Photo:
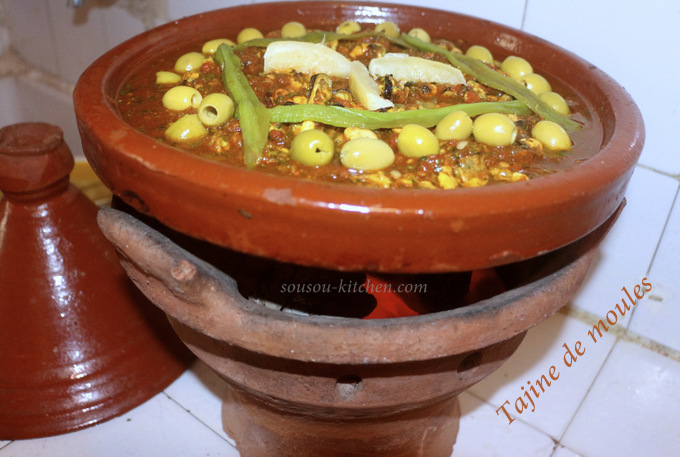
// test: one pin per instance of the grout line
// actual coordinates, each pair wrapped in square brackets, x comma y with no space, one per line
[661,172]
[53,35]
[13,65]
[524,14]
[651,262]
[665,226]
[519,419]
[623,334]
[620,334]
[587,391]
[199,420]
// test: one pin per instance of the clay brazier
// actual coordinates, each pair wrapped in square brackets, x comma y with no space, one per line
[306,386]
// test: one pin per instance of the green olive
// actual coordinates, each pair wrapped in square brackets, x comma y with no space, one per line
[419,33]
[480,53]
[417,141]
[366,154]
[215,109]
[536,83]
[555,101]
[551,135]
[179,98]
[494,129]
[516,67]
[186,128]
[357,132]
[454,126]
[312,148]
[348,27]
[293,29]
[389,28]
[167,77]
[247,34]
[189,61]
[210,47]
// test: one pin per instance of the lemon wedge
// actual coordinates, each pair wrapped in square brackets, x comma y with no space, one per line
[404,67]
[364,89]
[309,58]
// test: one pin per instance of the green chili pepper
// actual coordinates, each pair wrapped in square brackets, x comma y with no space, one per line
[253,116]
[488,76]
[339,116]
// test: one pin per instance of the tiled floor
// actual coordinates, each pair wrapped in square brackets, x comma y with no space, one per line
[621,397]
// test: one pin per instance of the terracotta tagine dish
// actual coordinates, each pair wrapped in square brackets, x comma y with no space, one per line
[78,344]
[357,372]
[445,231]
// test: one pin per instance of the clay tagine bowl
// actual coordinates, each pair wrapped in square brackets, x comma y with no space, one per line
[373,229]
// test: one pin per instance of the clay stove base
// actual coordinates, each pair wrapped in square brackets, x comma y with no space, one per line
[319,385]
[261,431]
[283,408]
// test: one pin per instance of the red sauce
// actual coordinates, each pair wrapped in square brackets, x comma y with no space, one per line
[468,162]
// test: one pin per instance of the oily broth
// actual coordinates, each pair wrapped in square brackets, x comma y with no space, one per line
[139,104]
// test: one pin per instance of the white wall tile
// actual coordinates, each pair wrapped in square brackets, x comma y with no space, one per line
[631,410]
[79,37]
[658,314]
[626,253]
[178,9]
[541,349]
[119,25]
[8,114]
[562,451]
[634,43]
[480,436]
[158,427]
[201,391]
[31,33]
[4,36]
[29,101]
[508,12]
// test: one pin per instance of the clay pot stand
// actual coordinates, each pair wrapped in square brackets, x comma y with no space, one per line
[317,385]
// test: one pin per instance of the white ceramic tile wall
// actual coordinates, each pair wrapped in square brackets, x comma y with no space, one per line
[178,8]
[619,398]
[508,12]
[31,33]
[480,435]
[4,36]
[627,252]
[612,36]
[646,386]
[25,100]
[658,316]
[542,349]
